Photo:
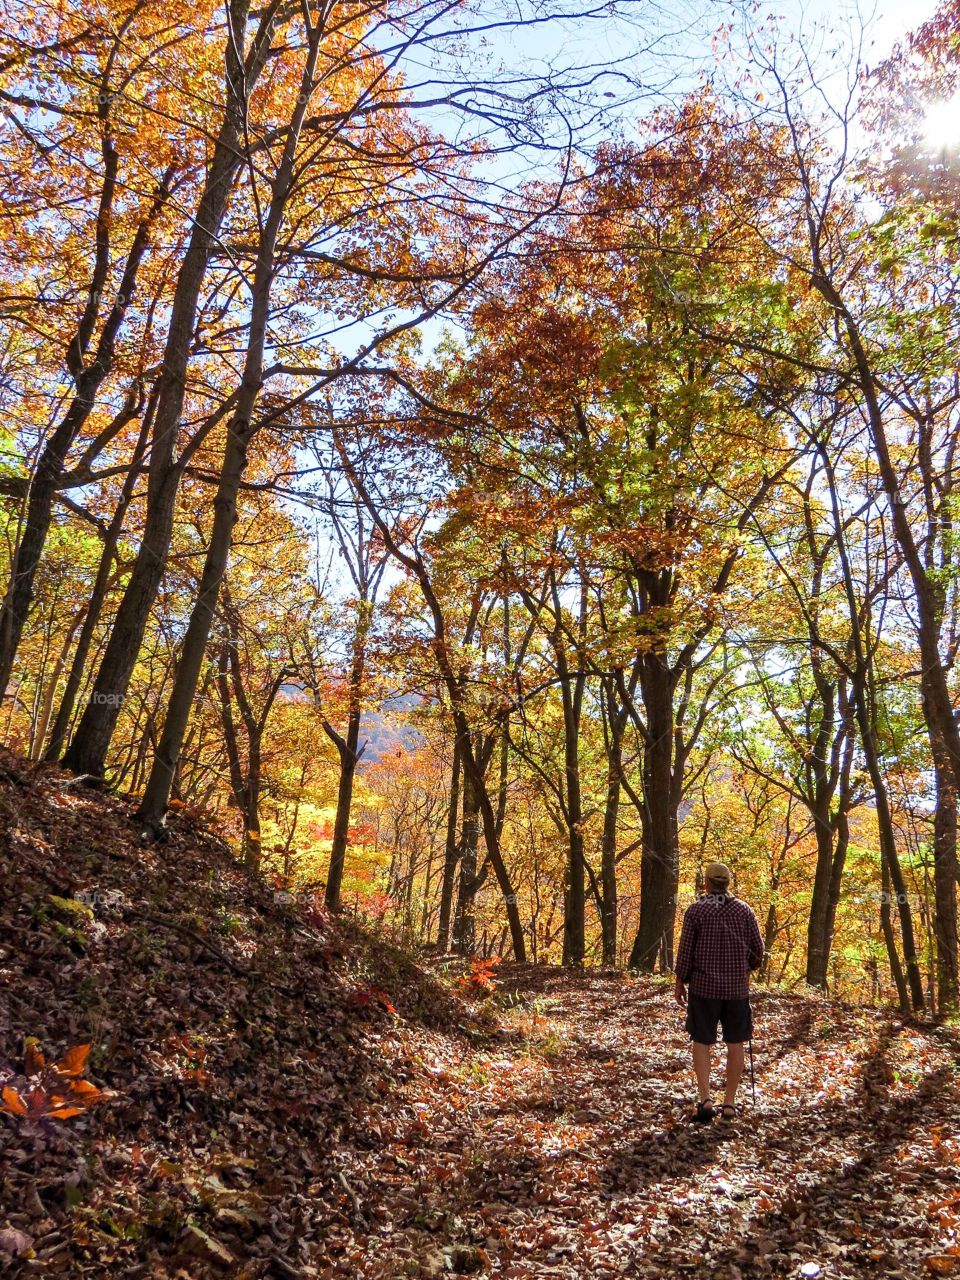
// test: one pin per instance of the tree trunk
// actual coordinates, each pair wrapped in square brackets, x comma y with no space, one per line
[818,925]
[50,469]
[608,858]
[252,845]
[658,861]
[472,769]
[888,851]
[575,900]
[841,846]
[942,728]
[98,595]
[341,825]
[464,924]
[240,432]
[153,805]
[769,933]
[50,691]
[886,928]
[945,886]
[864,702]
[451,855]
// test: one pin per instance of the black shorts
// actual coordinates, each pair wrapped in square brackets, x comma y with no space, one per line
[734,1016]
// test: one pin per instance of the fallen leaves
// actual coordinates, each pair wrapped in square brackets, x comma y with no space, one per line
[330,1110]
[944,1264]
[14,1242]
[206,1245]
[367,996]
[52,1092]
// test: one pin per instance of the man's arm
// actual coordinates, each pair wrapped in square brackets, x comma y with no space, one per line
[684,958]
[754,943]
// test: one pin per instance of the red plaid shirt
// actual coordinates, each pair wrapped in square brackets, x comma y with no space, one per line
[719,948]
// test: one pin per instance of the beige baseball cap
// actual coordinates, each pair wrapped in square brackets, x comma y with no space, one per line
[718,872]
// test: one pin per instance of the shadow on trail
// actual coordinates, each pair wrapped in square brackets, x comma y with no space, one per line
[672,1155]
[800,1032]
[658,1155]
[849,1202]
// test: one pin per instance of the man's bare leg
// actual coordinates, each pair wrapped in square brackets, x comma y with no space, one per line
[734,1072]
[702,1054]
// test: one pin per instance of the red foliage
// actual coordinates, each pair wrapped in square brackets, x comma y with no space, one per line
[481,979]
[366,997]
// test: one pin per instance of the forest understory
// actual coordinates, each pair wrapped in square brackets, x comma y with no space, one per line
[270,1093]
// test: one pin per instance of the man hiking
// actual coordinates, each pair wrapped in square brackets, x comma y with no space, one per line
[720,946]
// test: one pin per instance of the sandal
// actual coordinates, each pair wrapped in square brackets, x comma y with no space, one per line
[703,1114]
[728,1112]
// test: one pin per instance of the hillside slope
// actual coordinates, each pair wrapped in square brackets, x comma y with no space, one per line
[289,1098]
[242,1040]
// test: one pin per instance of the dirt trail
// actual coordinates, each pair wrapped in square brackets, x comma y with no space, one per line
[564,1149]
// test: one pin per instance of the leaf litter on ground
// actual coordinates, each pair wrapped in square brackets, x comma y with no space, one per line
[289,1096]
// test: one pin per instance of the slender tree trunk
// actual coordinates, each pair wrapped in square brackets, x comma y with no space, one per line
[153,805]
[472,769]
[769,932]
[943,731]
[348,752]
[886,928]
[341,824]
[425,910]
[98,595]
[818,926]
[864,703]
[88,381]
[252,844]
[245,783]
[183,781]
[608,856]
[143,742]
[888,851]
[574,928]
[451,856]
[240,432]
[841,845]
[50,691]
[464,923]
[945,884]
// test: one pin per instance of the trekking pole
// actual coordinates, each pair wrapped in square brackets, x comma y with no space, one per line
[753,1083]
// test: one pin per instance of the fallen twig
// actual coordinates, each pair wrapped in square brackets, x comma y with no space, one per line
[341,1177]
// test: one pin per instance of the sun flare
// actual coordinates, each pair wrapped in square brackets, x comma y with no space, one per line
[941,123]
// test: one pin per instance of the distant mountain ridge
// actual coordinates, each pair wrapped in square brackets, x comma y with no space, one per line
[379,730]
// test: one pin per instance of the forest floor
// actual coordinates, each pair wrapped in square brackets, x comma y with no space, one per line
[284,1096]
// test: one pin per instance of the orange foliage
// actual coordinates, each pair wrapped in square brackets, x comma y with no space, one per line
[53,1091]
